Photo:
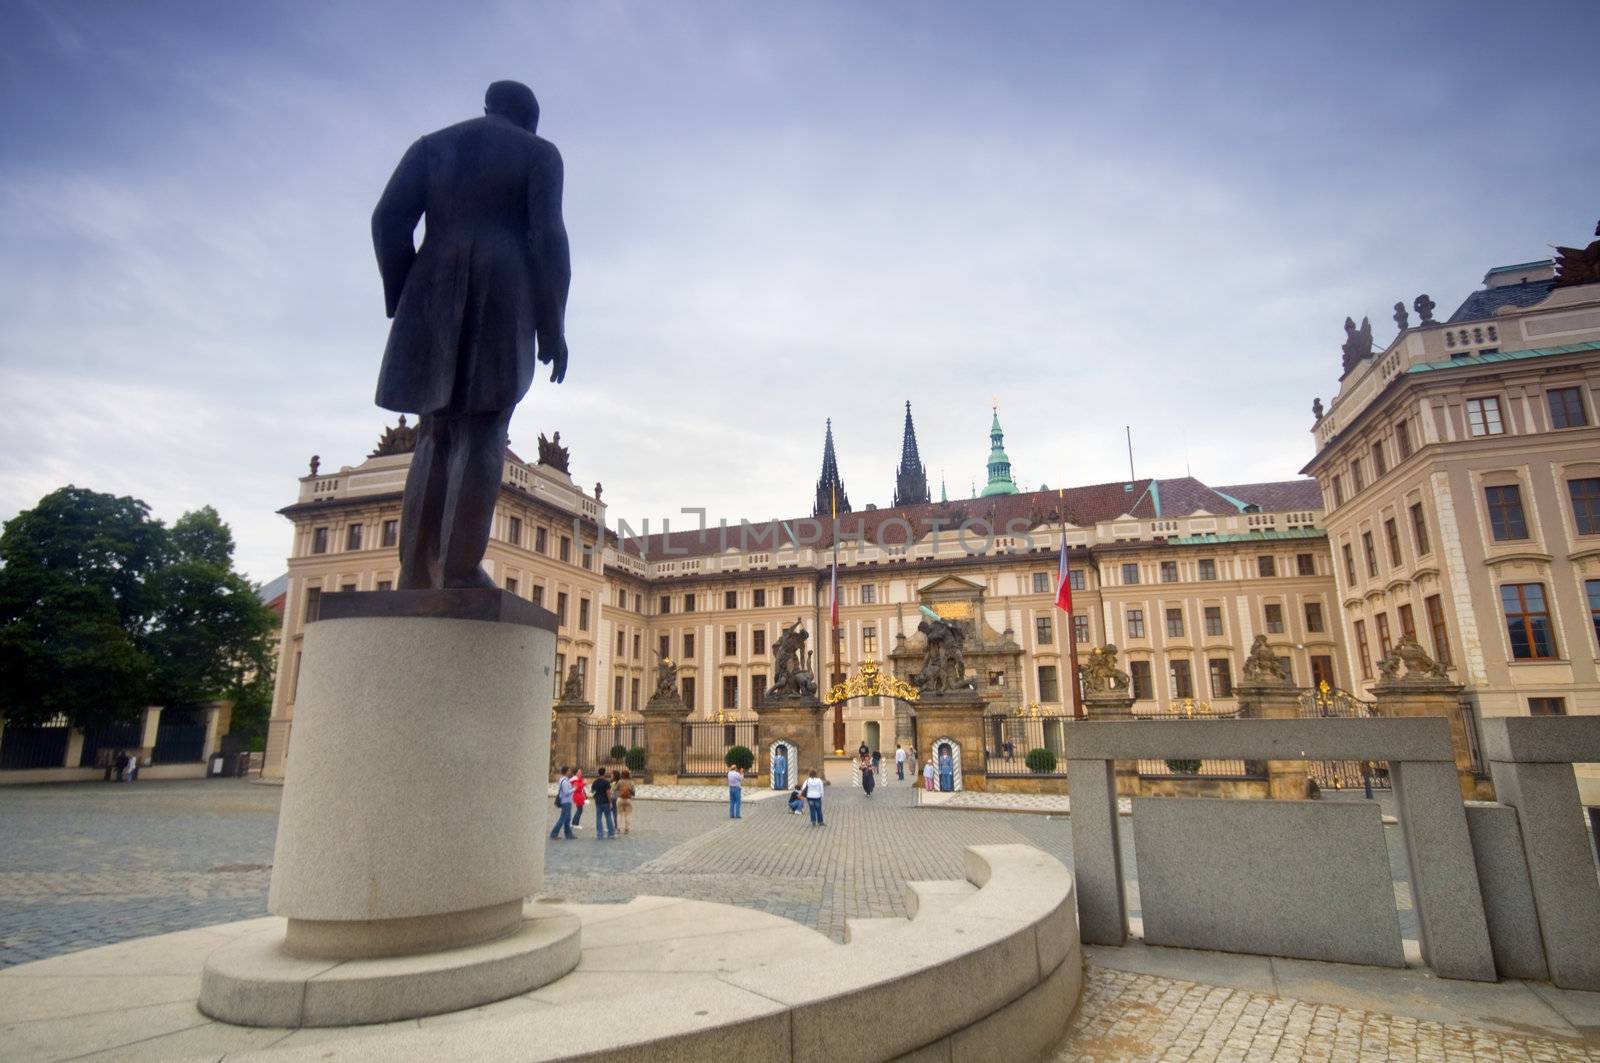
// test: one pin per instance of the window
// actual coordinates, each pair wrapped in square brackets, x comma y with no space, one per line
[1182,679]
[385,585]
[666,645]
[1585,495]
[1547,706]
[1371,553]
[1305,564]
[622,643]
[583,672]
[511,585]
[1075,578]
[1505,513]
[730,599]
[1408,622]
[688,603]
[1391,533]
[1338,492]
[1287,664]
[538,595]
[788,596]
[1385,644]
[688,645]
[347,585]
[1321,670]
[616,694]
[636,646]
[1419,529]
[1356,476]
[313,603]
[1441,635]
[1169,572]
[1213,620]
[319,540]
[1274,615]
[1049,688]
[1208,568]
[688,690]
[1566,408]
[1349,563]
[514,534]
[758,641]
[561,672]
[1042,634]
[566,548]
[1136,623]
[758,687]
[1175,623]
[391,533]
[561,608]
[1591,590]
[1314,623]
[583,614]
[1528,621]
[635,695]
[759,596]
[1080,629]
[1221,677]
[1379,464]
[1041,583]
[665,604]
[1143,688]
[294,684]
[1130,573]
[1266,566]
[541,541]
[586,554]
[1402,439]
[730,692]
[869,594]
[869,642]
[1483,417]
[1363,651]
[730,643]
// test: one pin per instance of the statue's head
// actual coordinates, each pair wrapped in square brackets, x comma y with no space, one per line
[514,101]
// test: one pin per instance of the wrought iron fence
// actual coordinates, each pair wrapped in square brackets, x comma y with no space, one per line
[34,747]
[1331,702]
[102,741]
[706,744]
[598,741]
[180,737]
[1190,709]
[1014,740]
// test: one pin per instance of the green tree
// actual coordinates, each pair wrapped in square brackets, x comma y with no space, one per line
[74,605]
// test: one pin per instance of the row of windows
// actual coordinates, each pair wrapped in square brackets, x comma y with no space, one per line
[1391,538]
[758,599]
[1206,569]
[1180,677]
[1566,408]
[1508,523]
[1272,617]
[541,543]
[355,534]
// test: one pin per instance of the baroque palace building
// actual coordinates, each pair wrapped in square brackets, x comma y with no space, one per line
[1454,493]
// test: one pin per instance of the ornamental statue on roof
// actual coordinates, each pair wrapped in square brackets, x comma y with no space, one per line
[398,439]
[1578,265]
[553,454]
[1357,344]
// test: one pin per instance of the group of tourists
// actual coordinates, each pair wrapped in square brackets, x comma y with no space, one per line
[808,794]
[612,794]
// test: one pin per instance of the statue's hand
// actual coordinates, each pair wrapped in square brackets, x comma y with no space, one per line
[557,359]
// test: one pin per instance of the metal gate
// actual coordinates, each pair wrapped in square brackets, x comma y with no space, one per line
[180,737]
[1330,701]
[33,747]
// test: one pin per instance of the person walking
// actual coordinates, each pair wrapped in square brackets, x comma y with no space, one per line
[812,790]
[604,812]
[624,794]
[927,776]
[899,763]
[564,803]
[877,761]
[579,798]
[869,778]
[735,790]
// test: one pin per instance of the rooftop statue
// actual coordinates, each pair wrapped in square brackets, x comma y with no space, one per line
[1357,343]
[1402,320]
[1424,308]
[1578,265]
[473,308]
[553,454]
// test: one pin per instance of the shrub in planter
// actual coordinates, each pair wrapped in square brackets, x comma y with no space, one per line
[618,752]
[1184,767]
[635,759]
[1041,761]
[740,757]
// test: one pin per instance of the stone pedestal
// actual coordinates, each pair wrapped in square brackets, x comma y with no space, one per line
[1267,699]
[566,735]
[1416,695]
[404,848]
[663,736]
[800,722]
[1114,705]
[958,717]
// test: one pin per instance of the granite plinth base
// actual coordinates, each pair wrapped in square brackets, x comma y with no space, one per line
[256,981]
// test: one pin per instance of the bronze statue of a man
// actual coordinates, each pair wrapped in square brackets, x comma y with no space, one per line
[484,295]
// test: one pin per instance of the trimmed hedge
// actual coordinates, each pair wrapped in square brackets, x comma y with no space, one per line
[740,757]
[1041,761]
[635,759]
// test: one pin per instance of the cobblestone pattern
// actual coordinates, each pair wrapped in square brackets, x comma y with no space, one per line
[1125,1016]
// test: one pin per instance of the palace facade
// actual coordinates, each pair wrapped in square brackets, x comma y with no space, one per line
[1454,494]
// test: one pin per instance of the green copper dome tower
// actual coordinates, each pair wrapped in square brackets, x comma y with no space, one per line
[1000,482]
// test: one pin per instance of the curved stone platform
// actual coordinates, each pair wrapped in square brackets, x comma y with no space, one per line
[990,967]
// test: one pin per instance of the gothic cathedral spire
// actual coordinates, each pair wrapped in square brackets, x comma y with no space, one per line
[911,478]
[830,489]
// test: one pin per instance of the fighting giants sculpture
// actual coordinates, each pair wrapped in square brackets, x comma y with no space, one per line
[791,680]
[1101,674]
[944,669]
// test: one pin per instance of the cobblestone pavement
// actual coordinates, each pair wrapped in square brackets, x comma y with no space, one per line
[1125,1016]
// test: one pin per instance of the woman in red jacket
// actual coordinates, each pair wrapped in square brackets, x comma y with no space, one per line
[578,797]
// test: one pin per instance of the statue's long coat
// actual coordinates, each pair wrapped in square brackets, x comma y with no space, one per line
[491,275]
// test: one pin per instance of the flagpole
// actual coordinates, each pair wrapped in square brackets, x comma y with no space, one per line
[1072,628]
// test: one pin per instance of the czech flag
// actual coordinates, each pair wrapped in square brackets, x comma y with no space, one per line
[1064,590]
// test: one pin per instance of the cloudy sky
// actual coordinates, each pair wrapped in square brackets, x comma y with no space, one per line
[1147,214]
